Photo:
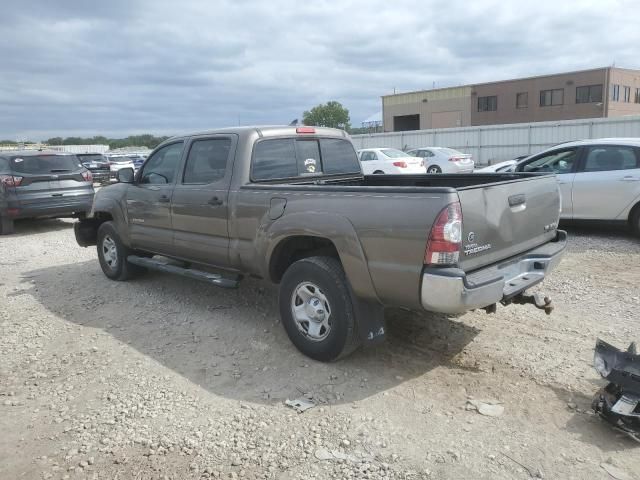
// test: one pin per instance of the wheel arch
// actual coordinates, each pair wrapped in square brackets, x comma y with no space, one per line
[293,239]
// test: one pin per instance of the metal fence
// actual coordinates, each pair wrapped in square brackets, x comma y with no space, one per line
[495,143]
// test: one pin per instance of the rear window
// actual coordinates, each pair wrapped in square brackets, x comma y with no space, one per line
[92,157]
[39,164]
[393,153]
[451,152]
[291,157]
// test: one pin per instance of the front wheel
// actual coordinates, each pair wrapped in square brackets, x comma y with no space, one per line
[378,172]
[434,169]
[317,310]
[635,222]
[112,254]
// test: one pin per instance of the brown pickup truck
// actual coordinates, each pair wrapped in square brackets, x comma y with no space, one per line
[291,206]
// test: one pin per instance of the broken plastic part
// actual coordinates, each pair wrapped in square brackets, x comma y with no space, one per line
[619,402]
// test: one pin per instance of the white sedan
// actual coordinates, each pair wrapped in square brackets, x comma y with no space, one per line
[444,160]
[390,161]
[506,166]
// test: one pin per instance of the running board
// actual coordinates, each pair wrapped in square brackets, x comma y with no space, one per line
[161,266]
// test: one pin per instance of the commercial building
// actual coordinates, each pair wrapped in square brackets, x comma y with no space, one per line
[597,93]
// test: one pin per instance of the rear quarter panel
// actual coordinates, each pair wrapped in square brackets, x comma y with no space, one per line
[381,236]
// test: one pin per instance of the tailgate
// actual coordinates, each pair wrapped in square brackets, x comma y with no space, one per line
[508,218]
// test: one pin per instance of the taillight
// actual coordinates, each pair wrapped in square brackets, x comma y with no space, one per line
[454,159]
[10,180]
[87,176]
[305,130]
[400,164]
[445,238]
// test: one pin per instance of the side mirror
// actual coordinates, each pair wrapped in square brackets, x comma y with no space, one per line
[125,175]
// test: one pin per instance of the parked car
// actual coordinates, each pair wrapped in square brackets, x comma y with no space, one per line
[599,179]
[390,161]
[506,166]
[290,205]
[444,160]
[97,164]
[137,160]
[36,183]
[118,162]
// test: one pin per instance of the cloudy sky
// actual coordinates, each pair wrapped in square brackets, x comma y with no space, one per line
[120,67]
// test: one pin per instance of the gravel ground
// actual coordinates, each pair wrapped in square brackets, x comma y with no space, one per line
[164,377]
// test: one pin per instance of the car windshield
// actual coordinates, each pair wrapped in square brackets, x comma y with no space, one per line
[393,153]
[38,164]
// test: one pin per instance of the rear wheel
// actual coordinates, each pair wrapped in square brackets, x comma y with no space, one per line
[112,254]
[317,310]
[6,226]
[434,169]
[378,172]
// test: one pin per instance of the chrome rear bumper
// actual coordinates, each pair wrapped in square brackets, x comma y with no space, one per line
[451,290]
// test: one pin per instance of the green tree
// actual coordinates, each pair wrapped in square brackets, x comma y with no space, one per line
[331,114]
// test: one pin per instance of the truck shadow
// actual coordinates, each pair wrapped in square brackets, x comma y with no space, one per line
[231,342]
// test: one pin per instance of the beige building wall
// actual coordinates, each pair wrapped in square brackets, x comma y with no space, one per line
[624,78]
[442,108]
[507,91]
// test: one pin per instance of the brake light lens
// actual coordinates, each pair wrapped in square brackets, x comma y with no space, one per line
[400,164]
[10,180]
[454,159]
[305,130]
[445,238]
[87,176]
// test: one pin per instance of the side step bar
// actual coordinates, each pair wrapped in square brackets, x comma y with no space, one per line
[161,266]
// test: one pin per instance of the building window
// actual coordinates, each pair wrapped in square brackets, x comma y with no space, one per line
[637,99]
[488,104]
[551,97]
[627,94]
[589,94]
[522,100]
[615,92]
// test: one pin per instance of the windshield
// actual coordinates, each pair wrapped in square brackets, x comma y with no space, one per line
[38,164]
[393,153]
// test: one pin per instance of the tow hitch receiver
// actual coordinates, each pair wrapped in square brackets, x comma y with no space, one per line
[543,303]
[619,402]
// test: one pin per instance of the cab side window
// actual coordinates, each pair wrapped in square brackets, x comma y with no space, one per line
[161,167]
[207,161]
[610,157]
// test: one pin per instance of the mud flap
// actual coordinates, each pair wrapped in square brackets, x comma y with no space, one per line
[371,324]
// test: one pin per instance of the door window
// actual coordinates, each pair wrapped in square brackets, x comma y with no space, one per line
[558,161]
[365,157]
[613,157]
[207,161]
[161,167]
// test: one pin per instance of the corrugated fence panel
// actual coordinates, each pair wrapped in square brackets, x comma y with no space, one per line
[495,143]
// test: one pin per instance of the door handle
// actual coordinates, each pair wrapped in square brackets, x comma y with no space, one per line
[215,201]
[630,179]
[163,199]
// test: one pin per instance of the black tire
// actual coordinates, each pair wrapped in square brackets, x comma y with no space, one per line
[378,172]
[6,226]
[635,221]
[120,269]
[434,169]
[327,274]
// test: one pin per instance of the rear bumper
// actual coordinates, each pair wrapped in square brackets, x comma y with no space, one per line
[450,290]
[53,207]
